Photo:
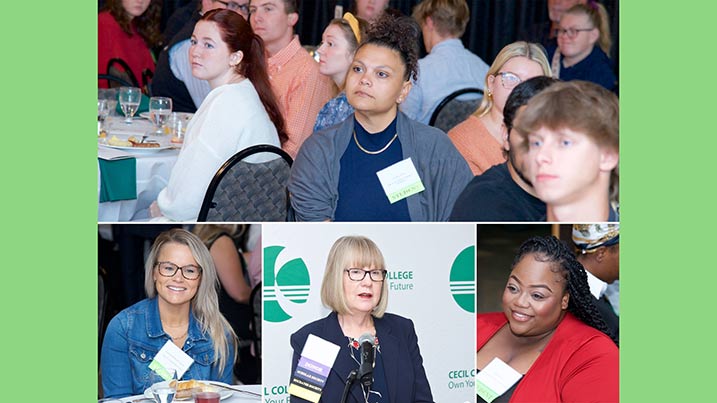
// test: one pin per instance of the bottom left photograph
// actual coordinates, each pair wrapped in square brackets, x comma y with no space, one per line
[179,302]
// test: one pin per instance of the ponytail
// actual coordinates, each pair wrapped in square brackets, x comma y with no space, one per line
[597,14]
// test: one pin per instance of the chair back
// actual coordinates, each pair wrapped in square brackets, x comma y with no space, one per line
[117,67]
[452,111]
[255,302]
[113,81]
[249,191]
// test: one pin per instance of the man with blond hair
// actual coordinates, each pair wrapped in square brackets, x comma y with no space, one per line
[295,79]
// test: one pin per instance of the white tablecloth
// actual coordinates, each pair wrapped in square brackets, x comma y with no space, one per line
[153,170]
[236,397]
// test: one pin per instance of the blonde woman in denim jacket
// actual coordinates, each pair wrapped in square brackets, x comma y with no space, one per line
[182,307]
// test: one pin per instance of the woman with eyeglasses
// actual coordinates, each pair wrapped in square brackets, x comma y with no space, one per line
[480,137]
[577,57]
[354,288]
[181,307]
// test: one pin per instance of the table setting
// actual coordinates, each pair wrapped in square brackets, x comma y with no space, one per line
[216,390]
[135,153]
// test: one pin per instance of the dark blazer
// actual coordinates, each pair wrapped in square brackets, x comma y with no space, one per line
[405,377]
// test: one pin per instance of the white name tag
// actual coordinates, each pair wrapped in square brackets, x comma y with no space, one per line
[171,358]
[495,379]
[400,180]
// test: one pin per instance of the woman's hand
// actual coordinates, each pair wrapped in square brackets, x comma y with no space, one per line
[154,210]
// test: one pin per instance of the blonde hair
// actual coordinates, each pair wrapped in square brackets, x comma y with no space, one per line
[205,303]
[450,17]
[597,15]
[532,51]
[348,252]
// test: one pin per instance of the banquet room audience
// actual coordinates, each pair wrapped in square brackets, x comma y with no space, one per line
[355,267]
[128,31]
[336,52]
[449,66]
[598,250]
[572,136]
[173,77]
[370,10]
[298,86]
[550,333]
[544,33]
[584,44]
[504,192]
[224,244]
[181,307]
[349,172]
[480,137]
[239,112]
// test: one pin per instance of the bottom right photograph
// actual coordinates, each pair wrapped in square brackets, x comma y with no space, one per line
[548,306]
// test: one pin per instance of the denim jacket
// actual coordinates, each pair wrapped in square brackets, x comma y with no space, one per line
[135,336]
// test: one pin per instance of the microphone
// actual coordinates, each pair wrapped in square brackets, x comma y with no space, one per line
[368,355]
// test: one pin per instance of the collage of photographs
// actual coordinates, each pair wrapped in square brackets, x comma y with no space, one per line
[358,201]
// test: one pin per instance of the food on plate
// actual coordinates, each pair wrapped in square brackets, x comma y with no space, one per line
[146,144]
[115,141]
[176,140]
[186,388]
[103,133]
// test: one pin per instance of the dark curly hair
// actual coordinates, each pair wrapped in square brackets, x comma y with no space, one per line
[147,24]
[581,303]
[397,33]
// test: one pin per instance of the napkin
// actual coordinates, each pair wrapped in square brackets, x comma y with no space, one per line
[118,179]
[143,105]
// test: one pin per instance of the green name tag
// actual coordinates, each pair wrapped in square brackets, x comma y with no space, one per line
[160,370]
[485,392]
[405,192]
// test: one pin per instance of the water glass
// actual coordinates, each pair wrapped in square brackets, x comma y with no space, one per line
[160,108]
[103,110]
[129,98]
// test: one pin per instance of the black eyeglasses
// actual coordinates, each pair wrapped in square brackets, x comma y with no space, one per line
[376,275]
[234,6]
[169,269]
[571,32]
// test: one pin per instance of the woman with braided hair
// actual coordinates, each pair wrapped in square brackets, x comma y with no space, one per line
[550,343]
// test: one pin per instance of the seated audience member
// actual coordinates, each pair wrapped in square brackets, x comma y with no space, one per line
[480,137]
[550,332]
[173,77]
[234,290]
[336,52]
[355,267]
[239,112]
[299,88]
[503,192]
[544,32]
[370,10]
[449,66]
[181,307]
[598,248]
[128,31]
[350,172]
[572,135]
[577,58]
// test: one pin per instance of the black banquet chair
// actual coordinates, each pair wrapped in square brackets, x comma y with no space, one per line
[249,191]
[452,111]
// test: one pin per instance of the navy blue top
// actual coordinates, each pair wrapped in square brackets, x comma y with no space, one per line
[596,68]
[379,390]
[361,196]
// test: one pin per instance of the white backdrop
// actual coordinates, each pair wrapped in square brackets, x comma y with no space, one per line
[419,258]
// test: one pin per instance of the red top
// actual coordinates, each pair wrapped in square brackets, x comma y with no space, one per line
[579,364]
[113,42]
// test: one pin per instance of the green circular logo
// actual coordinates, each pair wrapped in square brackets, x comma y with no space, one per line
[291,281]
[463,279]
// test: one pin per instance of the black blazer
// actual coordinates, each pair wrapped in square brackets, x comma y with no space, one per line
[405,377]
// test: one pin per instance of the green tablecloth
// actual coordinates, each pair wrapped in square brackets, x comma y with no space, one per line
[118,179]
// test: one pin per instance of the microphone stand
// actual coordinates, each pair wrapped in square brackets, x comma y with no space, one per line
[349,381]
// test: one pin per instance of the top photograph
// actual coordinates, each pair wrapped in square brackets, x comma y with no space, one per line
[358,111]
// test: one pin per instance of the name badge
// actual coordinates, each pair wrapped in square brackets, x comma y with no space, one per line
[316,360]
[171,358]
[495,379]
[400,180]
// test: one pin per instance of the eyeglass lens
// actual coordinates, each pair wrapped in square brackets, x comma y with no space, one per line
[168,269]
[360,274]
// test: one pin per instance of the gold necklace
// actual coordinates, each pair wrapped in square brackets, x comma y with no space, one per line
[374,152]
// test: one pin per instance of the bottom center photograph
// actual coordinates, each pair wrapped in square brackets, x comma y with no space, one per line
[368,312]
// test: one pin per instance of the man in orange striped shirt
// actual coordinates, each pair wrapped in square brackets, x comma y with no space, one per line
[295,79]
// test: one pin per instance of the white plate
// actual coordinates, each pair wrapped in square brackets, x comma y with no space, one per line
[183,115]
[140,149]
[223,393]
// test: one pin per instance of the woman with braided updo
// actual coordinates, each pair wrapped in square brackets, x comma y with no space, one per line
[550,333]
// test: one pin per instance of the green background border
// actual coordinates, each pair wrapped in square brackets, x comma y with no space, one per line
[48,297]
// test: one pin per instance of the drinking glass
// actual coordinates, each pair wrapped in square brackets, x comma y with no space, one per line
[103,110]
[206,397]
[163,391]
[129,98]
[160,108]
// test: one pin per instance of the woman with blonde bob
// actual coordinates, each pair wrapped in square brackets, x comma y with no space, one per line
[354,289]
[480,137]
[181,306]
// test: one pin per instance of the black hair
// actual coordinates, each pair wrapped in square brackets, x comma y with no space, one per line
[397,33]
[522,94]
[582,302]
